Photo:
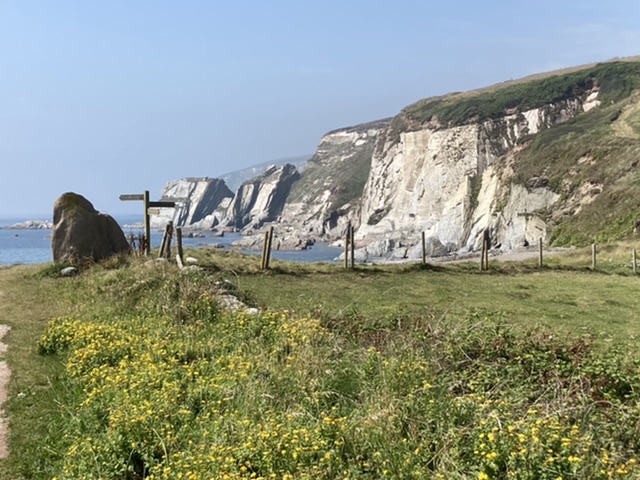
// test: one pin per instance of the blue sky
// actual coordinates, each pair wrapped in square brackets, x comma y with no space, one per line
[113,97]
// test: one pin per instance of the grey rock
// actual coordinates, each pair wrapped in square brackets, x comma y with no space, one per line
[226,285]
[191,270]
[229,302]
[156,262]
[80,232]
[69,272]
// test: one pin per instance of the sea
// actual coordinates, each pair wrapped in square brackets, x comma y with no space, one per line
[27,246]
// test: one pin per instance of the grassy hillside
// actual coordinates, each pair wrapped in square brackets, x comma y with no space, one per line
[383,372]
[345,179]
[342,170]
[592,161]
[615,80]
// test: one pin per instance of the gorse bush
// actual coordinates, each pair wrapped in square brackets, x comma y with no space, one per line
[220,394]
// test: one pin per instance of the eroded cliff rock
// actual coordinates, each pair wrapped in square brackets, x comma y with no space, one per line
[329,192]
[201,202]
[453,183]
[262,199]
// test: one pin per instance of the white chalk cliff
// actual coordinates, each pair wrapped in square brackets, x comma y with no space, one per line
[453,183]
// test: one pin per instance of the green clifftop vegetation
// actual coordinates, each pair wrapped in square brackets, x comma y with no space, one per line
[615,81]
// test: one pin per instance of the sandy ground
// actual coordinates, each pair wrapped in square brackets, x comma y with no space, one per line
[5,374]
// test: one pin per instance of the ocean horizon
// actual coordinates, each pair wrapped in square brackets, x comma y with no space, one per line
[32,246]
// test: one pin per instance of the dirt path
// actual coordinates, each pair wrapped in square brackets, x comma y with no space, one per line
[622,127]
[519,255]
[5,375]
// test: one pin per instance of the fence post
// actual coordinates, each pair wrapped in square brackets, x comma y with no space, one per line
[424,249]
[540,261]
[482,255]
[346,247]
[180,255]
[264,251]
[163,243]
[147,223]
[169,237]
[268,257]
[486,256]
[635,262]
[353,246]
[593,256]
[165,246]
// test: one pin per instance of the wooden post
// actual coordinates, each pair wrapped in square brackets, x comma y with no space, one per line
[147,223]
[635,262]
[540,262]
[263,265]
[163,243]
[179,245]
[593,256]
[269,242]
[482,255]
[486,255]
[424,249]
[346,248]
[165,246]
[353,247]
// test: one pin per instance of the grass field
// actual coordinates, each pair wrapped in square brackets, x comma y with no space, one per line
[397,371]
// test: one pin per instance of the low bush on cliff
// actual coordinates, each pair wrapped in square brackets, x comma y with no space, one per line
[160,382]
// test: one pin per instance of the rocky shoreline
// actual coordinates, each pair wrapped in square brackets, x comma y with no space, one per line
[30,225]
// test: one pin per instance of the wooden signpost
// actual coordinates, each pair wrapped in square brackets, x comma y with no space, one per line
[150,208]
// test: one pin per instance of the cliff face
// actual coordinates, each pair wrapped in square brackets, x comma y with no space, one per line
[452,183]
[554,157]
[262,199]
[200,203]
[328,194]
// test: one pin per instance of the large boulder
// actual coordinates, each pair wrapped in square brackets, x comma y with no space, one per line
[80,232]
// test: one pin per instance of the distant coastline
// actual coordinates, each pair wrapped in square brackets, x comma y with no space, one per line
[30,225]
